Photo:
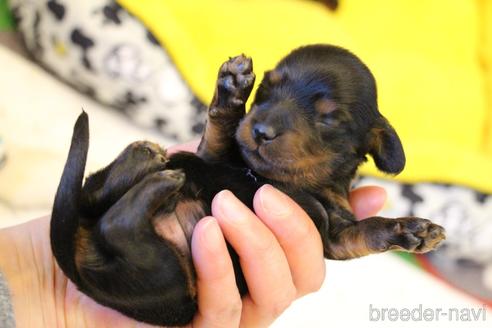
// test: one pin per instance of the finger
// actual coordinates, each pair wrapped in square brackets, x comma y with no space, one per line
[297,235]
[367,201]
[219,302]
[262,260]
[190,146]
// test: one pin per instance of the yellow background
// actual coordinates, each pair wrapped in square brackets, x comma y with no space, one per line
[432,61]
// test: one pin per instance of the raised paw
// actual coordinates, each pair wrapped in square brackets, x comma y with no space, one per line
[234,85]
[416,235]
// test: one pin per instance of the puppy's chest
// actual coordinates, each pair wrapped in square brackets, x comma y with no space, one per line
[204,180]
[203,184]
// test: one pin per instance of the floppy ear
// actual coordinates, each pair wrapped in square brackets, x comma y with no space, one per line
[386,148]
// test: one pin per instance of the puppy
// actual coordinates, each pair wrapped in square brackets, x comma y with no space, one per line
[123,237]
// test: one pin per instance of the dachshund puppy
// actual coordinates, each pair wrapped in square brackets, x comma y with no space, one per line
[123,237]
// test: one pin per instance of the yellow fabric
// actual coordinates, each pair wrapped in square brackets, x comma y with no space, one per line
[432,61]
[486,60]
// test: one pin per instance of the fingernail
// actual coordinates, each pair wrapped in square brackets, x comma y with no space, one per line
[211,235]
[230,207]
[275,202]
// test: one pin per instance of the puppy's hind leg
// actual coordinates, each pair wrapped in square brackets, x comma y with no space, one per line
[103,188]
[124,264]
[127,225]
[234,85]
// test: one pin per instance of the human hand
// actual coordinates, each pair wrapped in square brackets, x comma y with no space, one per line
[280,252]
[281,256]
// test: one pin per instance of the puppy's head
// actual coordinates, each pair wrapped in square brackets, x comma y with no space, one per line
[314,119]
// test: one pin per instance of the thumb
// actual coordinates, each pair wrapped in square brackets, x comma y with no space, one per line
[367,201]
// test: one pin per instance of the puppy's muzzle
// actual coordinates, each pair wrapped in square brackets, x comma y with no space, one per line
[263,133]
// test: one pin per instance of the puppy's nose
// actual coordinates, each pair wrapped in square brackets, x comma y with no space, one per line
[263,132]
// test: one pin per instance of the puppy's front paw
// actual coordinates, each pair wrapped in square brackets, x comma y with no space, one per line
[416,235]
[234,85]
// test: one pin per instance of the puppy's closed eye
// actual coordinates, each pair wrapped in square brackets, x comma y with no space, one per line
[326,120]
[321,95]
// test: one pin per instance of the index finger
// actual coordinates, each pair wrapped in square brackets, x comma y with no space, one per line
[190,146]
[219,302]
[296,234]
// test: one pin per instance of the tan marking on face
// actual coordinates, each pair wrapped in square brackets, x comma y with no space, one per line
[244,132]
[274,77]
[325,106]
[289,156]
[294,152]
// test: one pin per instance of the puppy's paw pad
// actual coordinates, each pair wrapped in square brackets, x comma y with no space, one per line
[235,82]
[418,235]
[239,65]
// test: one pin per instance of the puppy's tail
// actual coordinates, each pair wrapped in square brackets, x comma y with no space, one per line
[65,214]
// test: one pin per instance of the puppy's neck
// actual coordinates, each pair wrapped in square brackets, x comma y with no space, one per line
[338,185]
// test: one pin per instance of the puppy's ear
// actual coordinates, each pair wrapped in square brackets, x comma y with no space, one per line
[386,148]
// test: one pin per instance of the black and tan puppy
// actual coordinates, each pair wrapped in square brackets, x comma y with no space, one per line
[123,237]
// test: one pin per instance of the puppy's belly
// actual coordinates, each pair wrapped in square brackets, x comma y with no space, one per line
[176,228]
